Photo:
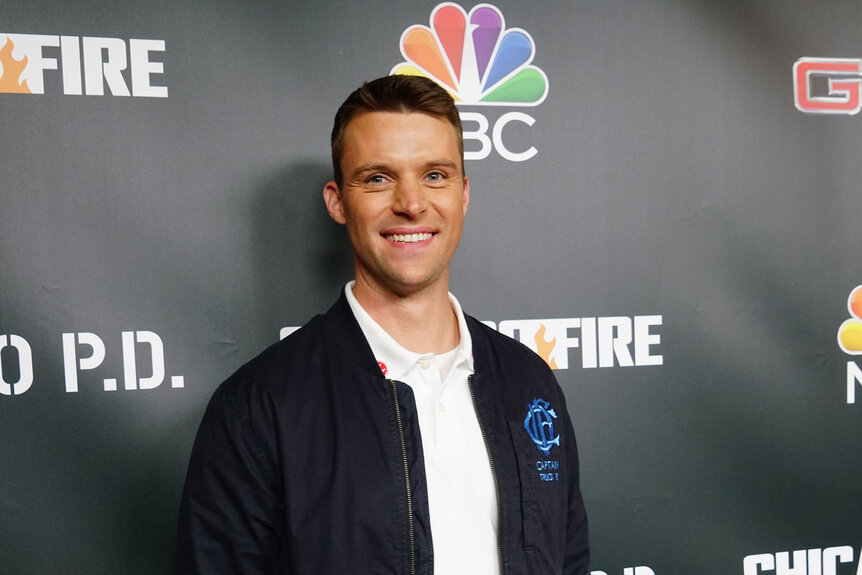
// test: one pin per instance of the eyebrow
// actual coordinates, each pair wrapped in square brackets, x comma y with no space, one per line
[379,167]
[442,163]
[369,167]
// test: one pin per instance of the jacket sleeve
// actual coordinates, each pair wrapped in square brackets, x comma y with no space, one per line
[577,558]
[230,516]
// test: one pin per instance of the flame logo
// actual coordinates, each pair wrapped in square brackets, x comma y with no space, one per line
[11,70]
[474,57]
[850,332]
[544,347]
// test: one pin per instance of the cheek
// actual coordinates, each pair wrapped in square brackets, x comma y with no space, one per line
[359,226]
[365,209]
[355,231]
[456,212]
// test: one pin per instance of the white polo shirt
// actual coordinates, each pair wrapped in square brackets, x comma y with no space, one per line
[461,492]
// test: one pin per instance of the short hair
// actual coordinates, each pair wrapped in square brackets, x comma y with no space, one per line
[398,93]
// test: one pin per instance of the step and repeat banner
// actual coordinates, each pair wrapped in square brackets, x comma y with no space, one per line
[666,205]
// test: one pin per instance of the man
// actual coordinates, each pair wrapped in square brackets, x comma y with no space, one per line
[392,434]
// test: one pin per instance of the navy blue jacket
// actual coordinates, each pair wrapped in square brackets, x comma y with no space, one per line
[309,461]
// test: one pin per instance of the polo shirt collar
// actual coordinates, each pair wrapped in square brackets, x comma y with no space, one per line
[398,360]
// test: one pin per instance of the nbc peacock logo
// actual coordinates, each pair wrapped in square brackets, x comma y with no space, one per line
[474,57]
[850,341]
[479,62]
[850,332]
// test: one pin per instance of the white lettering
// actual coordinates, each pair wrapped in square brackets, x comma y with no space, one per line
[601,340]
[104,60]
[751,563]
[784,567]
[589,345]
[644,339]
[25,365]
[71,50]
[615,334]
[804,562]
[497,136]
[815,566]
[854,376]
[834,555]
[142,68]
[98,71]
[130,360]
[72,363]
[480,135]
[638,571]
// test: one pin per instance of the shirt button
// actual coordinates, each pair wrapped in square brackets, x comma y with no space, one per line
[441,407]
[424,363]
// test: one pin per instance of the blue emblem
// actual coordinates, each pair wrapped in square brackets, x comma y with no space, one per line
[539,423]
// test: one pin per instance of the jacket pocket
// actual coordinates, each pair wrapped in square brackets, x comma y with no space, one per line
[543,489]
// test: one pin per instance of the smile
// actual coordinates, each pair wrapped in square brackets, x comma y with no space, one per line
[409,238]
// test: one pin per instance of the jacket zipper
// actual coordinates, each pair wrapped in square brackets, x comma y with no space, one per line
[410,535]
[493,473]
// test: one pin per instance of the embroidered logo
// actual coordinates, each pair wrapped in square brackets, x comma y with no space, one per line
[539,424]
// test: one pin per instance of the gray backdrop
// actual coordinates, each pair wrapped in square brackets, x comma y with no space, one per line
[676,189]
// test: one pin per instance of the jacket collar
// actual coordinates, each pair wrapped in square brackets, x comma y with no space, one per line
[342,328]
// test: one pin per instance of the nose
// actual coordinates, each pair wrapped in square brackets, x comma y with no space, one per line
[409,199]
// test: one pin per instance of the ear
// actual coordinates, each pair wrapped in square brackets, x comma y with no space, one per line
[334,205]
[465,197]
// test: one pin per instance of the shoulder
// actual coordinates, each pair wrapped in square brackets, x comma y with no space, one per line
[278,368]
[515,370]
[491,346]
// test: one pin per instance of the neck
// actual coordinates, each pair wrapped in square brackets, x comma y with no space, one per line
[422,322]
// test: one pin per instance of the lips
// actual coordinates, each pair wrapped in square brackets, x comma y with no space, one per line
[409,238]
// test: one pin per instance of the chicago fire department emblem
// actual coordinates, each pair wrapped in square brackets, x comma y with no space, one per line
[539,424]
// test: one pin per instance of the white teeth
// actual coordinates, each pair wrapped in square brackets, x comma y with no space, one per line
[409,238]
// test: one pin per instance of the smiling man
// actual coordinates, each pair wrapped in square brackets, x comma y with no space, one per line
[393,434]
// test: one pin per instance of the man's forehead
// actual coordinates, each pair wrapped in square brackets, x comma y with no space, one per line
[396,121]
[400,132]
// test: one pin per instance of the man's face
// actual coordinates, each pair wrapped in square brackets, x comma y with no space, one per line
[403,199]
